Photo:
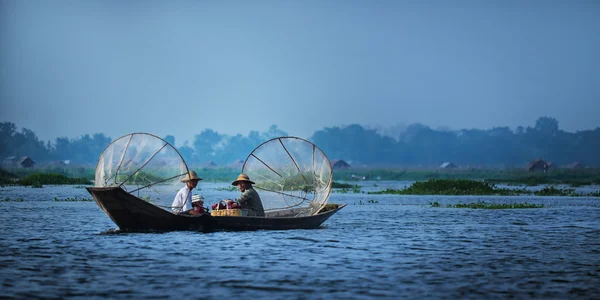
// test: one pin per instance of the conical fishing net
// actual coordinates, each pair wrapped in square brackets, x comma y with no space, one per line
[143,165]
[291,174]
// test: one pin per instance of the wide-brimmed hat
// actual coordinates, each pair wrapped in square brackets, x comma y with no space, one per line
[191,175]
[197,198]
[242,177]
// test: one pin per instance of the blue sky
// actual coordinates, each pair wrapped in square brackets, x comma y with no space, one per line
[176,67]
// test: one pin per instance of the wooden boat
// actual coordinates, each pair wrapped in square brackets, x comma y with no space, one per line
[137,174]
[133,214]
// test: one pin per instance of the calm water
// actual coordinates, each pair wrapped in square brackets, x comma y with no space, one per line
[398,247]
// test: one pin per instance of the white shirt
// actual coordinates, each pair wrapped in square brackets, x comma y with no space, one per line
[180,200]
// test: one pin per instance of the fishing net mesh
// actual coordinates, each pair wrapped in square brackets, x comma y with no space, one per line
[143,165]
[290,173]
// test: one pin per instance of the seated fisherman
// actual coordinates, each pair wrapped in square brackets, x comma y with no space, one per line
[182,203]
[249,200]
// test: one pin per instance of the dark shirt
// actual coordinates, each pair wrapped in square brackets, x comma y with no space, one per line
[250,200]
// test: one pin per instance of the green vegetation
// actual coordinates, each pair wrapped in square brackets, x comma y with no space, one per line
[7,178]
[508,176]
[12,200]
[569,177]
[473,187]
[344,188]
[485,205]
[73,199]
[228,189]
[337,185]
[71,172]
[553,191]
[353,188]
[452,187]
[38,179]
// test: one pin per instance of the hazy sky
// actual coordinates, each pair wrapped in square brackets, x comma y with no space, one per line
[69,68]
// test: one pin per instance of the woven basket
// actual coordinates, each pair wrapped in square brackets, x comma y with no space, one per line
[236,212]
[232,212]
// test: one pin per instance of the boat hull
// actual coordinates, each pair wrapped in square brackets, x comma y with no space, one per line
[131,213]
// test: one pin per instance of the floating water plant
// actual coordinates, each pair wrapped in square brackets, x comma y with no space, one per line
[348,188]
[553,191]
[228,189]
[37,185]
[38,179]
[12,200]
[452,187]
[507,176]
[485,205]
[337,185]
[341,191]
[73,199]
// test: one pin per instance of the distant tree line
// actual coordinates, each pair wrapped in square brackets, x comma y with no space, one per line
[82,150]
[501,147]
[417,146]
[207,146]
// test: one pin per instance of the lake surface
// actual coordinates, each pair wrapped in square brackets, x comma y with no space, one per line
[387,247]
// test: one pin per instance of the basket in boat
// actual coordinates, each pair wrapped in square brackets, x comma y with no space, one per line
[232,212]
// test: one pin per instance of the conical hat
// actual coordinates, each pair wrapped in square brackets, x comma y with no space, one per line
[242,177]
[191,175]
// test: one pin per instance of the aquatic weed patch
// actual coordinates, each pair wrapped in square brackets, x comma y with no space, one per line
[7,199]
[39,179]
[515,176]
[486,205]
[594,194]
[452,187]
[73,199]
[337,185]
[7,178]
[351,188]
[553,191]
[228,189]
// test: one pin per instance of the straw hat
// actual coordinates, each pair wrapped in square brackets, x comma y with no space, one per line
[197,198]
[191,175]
[242,177]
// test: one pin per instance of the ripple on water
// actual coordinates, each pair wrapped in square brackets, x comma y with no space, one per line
[396,248]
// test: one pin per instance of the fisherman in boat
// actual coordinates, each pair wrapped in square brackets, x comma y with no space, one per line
[249,200]
[182,204]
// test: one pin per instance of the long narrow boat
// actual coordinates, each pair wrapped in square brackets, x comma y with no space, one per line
[131,213]
[138,174]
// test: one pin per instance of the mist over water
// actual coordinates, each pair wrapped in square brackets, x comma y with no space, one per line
[397,247]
